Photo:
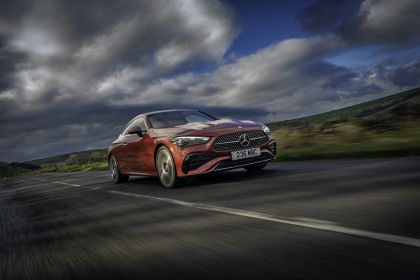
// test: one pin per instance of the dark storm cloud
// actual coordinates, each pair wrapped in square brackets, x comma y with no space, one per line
[61,129]
[71,45]
[385,22]
[342,78]
[346,82]
[13,11]
[326,15]
[403,74]
[8,61]
[406,76]
[365,22]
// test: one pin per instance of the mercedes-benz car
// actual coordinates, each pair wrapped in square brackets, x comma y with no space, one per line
[176,144]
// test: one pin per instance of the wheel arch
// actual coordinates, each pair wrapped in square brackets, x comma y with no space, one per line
[155,153]
[109,157]
[177,181]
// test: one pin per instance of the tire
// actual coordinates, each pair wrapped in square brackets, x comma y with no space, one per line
[166,170]
[255,167]
[116,175]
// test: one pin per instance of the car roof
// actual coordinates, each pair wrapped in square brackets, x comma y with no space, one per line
[163,111]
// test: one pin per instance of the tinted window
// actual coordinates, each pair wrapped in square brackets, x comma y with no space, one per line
[174,118]
[138,122]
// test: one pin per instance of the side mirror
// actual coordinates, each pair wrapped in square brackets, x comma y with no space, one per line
[136,130]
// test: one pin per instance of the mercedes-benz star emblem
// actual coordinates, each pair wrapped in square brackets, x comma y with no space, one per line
[244,140]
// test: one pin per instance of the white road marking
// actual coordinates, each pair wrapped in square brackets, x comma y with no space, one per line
[314,221]
[97,188]
[67,184]
[300,221]
[56,182]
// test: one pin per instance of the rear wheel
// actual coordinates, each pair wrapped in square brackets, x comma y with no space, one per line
[116,175]
[255,167]
[166,169]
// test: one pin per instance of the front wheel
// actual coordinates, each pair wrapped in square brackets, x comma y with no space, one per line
[256,167]
[166,169]
[116,175]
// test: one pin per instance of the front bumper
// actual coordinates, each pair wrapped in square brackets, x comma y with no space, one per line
[197,163]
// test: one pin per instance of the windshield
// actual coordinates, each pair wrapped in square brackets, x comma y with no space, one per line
[175,118]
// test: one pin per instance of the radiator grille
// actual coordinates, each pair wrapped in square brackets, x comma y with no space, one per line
[230,142]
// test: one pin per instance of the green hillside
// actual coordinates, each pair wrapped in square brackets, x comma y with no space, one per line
[75,157]
[6,170]
[388,126]
[77,161]
[15,168]
[405,103]
[88,160]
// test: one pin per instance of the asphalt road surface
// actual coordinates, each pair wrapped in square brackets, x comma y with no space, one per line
[357,219]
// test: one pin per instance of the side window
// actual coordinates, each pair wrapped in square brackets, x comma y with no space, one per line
[127,127]
[138,122]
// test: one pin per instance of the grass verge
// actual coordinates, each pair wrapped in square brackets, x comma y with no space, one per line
[90,166]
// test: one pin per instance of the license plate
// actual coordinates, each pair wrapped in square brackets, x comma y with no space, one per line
[248,153]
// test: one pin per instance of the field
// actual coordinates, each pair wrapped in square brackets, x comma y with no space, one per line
[8,170]
[88,166]
[90,160]
[383,127]
[72,158]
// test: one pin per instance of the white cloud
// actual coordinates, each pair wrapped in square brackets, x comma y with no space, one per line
[148,40]
[35,41]
[281,77]
[387,21]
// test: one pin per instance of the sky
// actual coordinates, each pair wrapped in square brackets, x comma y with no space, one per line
[73,72]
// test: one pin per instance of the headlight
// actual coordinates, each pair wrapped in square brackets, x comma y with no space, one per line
[185,141]
[266,130]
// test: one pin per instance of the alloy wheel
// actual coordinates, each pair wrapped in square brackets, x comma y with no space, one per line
[114,169]
[165,168]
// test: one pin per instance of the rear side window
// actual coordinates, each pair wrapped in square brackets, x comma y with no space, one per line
[140,123]
[137,122]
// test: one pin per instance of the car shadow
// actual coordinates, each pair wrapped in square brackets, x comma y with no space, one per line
[232,176]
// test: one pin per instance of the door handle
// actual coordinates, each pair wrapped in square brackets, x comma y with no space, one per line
[124,144]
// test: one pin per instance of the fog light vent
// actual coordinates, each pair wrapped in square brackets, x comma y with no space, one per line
[272,148]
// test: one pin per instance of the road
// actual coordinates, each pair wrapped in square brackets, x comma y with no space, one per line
[348,219]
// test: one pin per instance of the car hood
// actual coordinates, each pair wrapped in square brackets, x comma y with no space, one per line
[213,128]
